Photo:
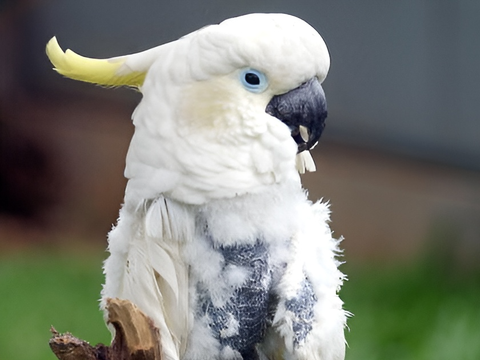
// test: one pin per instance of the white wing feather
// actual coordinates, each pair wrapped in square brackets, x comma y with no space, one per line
[146,268]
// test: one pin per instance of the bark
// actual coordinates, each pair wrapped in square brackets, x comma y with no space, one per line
[136,337]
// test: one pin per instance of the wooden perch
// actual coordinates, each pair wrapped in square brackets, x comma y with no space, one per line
[136,337]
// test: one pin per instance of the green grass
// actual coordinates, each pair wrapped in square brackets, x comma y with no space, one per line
[428,310]
[411,312]
[44,288]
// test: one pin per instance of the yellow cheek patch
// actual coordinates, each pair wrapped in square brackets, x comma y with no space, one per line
[209,104]
[221,104]
[97,71]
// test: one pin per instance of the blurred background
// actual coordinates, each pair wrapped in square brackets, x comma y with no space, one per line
[399,162]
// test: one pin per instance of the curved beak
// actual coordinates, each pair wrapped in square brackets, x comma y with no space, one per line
[304,111]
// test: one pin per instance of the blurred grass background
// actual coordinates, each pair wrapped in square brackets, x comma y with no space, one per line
[420,310]
[44,287]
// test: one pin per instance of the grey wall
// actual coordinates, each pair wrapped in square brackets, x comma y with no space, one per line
[404,75]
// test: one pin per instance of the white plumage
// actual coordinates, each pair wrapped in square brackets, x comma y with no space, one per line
[217,241]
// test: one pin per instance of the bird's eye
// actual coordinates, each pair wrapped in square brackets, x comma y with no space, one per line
[253,80]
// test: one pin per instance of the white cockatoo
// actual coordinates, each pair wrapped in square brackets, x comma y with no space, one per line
[216,240]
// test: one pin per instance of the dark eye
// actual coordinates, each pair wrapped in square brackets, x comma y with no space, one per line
[253,80]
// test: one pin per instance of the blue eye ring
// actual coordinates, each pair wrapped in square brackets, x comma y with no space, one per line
[253,80]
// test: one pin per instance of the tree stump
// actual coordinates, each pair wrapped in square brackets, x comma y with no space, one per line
[136,337]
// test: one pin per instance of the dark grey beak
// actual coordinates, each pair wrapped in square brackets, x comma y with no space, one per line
[303,110]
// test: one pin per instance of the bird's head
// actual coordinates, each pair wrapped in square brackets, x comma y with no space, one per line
[226,110]
[274,62]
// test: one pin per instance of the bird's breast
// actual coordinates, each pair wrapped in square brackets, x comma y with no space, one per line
[240,323]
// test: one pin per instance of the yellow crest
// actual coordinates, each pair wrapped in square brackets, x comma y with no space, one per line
[108,72]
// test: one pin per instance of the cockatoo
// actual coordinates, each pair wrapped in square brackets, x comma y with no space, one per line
[216,241]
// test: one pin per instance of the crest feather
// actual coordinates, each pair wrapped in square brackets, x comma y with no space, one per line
[108,72]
